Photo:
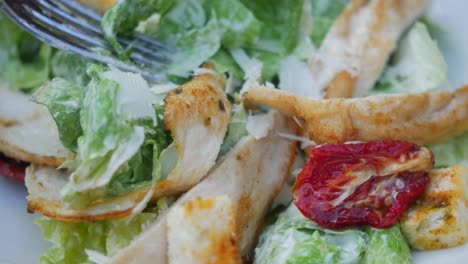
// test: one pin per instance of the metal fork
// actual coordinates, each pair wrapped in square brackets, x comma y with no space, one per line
[67,25]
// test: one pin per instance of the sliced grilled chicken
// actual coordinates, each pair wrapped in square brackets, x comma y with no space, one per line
[439,219]
[203,231]
[197,114]
[248,178]
[356,49]
[28,131]
[44,185]
[420,118]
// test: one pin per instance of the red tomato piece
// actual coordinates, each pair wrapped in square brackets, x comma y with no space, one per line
[12,169]
[358,183]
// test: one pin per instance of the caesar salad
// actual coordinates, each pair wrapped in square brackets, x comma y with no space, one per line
[299,131]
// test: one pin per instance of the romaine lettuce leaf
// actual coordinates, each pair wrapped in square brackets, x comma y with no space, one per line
[184,16]
[324,13]
[296,239]
[125,15]
[417,66]
[107,237]
[25,61]
[236,130]
[195,47]
[224,63]
[239,27]
[121,140]
[148,163]
[203,29]
[280,35]
[386,246]
[107,143]
[64,100]
[70,67]
[281,20]
[451,152]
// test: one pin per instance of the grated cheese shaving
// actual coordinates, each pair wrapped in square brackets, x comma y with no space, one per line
[97,257]
[305,142]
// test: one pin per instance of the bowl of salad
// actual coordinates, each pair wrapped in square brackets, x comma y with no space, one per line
[298,131]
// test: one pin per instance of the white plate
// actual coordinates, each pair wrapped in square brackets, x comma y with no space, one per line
[21,241]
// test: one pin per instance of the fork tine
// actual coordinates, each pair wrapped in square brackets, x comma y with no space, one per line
[149,59]
[68,30]
[95,17]
[59,14]
[83,11]
[18,12]
[153,42]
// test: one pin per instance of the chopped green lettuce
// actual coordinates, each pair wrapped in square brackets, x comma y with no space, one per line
[206,29]
[224,63]
[280,35]
[239,26]
[125,16]
[386,246]
[236,129]
[417,66]
[324,13]
[451,152]
[25,61]
[107,143]
[281,20]
[184,16]
[121,136]
[70,67]
[64,100]
[195,47]
[71,239]
[296,239]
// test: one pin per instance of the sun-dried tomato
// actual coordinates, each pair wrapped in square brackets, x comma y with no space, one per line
[358,183]
[12,169]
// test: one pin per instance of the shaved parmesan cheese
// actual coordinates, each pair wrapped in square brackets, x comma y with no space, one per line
[160,91]
[134,99]
[259,125]
[295,77]
[163,88]
[201,71]
[251,67]
[297,121]
[305,142]
[97,257]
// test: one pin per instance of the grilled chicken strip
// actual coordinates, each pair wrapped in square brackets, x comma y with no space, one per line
[239,188]
[439,218]
[356,49]
[197,114]
[420,118]
[28,131]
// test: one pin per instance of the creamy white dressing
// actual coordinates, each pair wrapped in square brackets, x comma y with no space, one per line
[134,98]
